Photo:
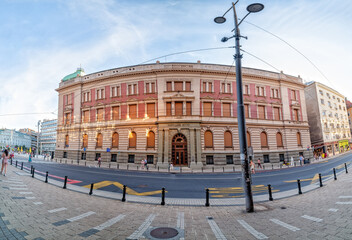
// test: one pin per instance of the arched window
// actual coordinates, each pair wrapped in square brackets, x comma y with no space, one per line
[228,139]
[66,140]
[115,140]
[249,142]
[279,139]
[208,139]
[151,139]
[264,139]
[132,140]
[85,140]
[299,142]
[99,140]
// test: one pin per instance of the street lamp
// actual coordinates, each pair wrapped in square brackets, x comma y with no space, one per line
[253,8]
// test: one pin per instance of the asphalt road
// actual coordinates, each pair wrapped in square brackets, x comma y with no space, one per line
[188,185]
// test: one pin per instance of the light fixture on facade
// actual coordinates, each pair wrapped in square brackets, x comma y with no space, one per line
[128,117]
[130,133]
[145,117]
[147,132]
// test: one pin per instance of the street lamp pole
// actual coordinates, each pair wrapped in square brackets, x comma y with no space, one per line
[246,177]
[38,135]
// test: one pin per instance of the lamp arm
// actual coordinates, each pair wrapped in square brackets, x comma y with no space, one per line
[244,18]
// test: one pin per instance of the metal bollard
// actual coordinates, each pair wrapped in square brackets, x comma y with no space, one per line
[213,169]
[85,164]
[270,193]
[16,163]
[163,196]
[233,168]
[46,177]
[180,169]
[31,169]
[127,166]
[91,189]
[207,198]
[202,169]
[22,166]
[335,178]
[11,161]
[223,169]
[299,186]
[321,182]
[109,165]
[158,168]
[118,166]
[272,166]
[263,167]
[33,172]
[65,182]
[124,194]
[346,168]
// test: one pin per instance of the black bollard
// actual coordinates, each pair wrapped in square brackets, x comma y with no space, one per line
[91,189]
[335,178]
[213,169]
[11,161]
[158,168]
[233,168]
[321,182]
[65,182]
[127,167]
[202,169]
[124,194]
[272,166]
[33,172]
[109,165]
[299,186]
[46,177]
[22,166]
[346,168]
[207,198]
[16,163]
[180,169]
[270,193]
[223,169]
[85,164]
[163,196]
[117,166]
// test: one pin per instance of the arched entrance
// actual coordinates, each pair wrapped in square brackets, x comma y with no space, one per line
[179,150]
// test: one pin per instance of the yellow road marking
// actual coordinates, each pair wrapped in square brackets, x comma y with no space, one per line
[119,185]
[315,178]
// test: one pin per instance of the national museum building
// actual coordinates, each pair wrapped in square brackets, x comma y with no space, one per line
[180,113]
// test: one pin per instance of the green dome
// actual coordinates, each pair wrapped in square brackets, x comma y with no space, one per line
[79,72]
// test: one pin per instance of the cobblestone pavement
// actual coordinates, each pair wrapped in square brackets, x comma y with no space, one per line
[32,209]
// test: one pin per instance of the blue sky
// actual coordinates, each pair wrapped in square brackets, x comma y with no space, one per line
[41,41]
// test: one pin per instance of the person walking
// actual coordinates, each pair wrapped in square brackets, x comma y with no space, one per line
[292,162]
[99,161]
[259,164]
[30,158]
[142,164]
[5,157]
[301,158]
[251,164]
[146,164]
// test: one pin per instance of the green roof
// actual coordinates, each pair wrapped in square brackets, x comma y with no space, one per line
[79,72]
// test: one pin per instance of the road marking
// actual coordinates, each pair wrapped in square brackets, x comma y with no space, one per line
[5,181]
[345,196]
[30,198]
[57,210]
[225,192]
[343,203]
[17,188]
[333,210]
[59,223]
[315,178]
[38,203]
[139,232]
[26,193]
[312,218]
[215,228]
[285,225]
[251,230]
[181,220]
[19,185]
[119,185]
[308,179]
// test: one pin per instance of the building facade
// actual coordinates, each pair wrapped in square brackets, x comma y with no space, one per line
[328,121]
[34,136]
[349,114]
[180,113]
[48,136]
[13,138]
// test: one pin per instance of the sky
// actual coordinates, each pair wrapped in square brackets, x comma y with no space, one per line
[42,41]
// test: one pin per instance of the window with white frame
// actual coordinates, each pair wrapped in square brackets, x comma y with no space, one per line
[226,87]
[100,93]
[68,99]
[246,89]
[115,91]
[86,96]
[260,91]
[207,86]
[275,93]
[132,89]
[150,87]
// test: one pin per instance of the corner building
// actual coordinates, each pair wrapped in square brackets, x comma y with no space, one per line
[184,113]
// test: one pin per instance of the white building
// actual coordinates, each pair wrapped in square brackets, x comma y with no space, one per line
[12,138]
[48,136]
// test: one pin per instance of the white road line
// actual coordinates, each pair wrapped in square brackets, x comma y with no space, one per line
[30,197]
[181,221]
[333,210]
[138,233]
[26,193]
[215,228]
[38,203]
[344,203]
[109,222]
[18,185]
[80,216]
[312,218]
[57,210]
[345,196]
[16,188]
[251,230]
[285,225]
[12,182]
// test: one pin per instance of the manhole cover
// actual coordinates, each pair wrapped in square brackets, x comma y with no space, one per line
[164,233]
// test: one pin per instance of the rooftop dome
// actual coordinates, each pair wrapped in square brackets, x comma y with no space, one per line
[78,73]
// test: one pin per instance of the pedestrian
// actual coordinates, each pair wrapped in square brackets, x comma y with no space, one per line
[30,158]
[171,167]
[259,164]
[292,162]
[142,164]
[99,161]
[146,164]
[301,158]
[251,164]
[5,157]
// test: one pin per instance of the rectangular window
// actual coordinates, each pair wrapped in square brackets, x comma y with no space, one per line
[266,158]
[67,118]
[282,157]
[246,110]
[115,113]
[168,109]
[151,109]
[260,91]
[129,88]
[229,88]
[261,112]
[210,87]
[274,93]
[134,88]
[147,88]
[83,156]
[293,95]
[113,157]
[207,108]
[209,159]
[115,91]
[100,114]
[322,101]
[276,113]
[132,111]
[68,99]
[169,86]
[86,97]
[188,108]
[229,159]
[97,156]
[246,89]
[150,159]
[296,114]
[65,155]
[188,86]
[152,87]
[100,93]
[226,109]
[86,116]
[178,108]
[204,86]
[130,158]
[178,86]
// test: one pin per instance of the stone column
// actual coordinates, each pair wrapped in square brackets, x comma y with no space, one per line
[198,149]
[192,146]
[166,147]
[160,146]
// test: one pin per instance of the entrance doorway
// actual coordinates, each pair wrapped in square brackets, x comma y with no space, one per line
[179,150]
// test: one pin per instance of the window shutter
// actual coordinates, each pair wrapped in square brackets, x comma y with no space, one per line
[151,109]
[168,109]
[228,139]
[115,113]
[226,109]
[261,112]
[246,111]
[249,142]
[276,113]
[132,111]
[207,109]
[208,139]
[188,108]
[279,139]
[263,139]
[178,86]
[178,108]
[168,86]
[299,143]
[151,140]
[132,140]
[188,86]
[115,139]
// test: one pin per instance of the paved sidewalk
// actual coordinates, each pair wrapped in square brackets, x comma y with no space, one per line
[32,209]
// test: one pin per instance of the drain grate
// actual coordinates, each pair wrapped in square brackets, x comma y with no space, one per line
[164,233]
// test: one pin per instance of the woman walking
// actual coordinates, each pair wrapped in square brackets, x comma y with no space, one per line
[5,157]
